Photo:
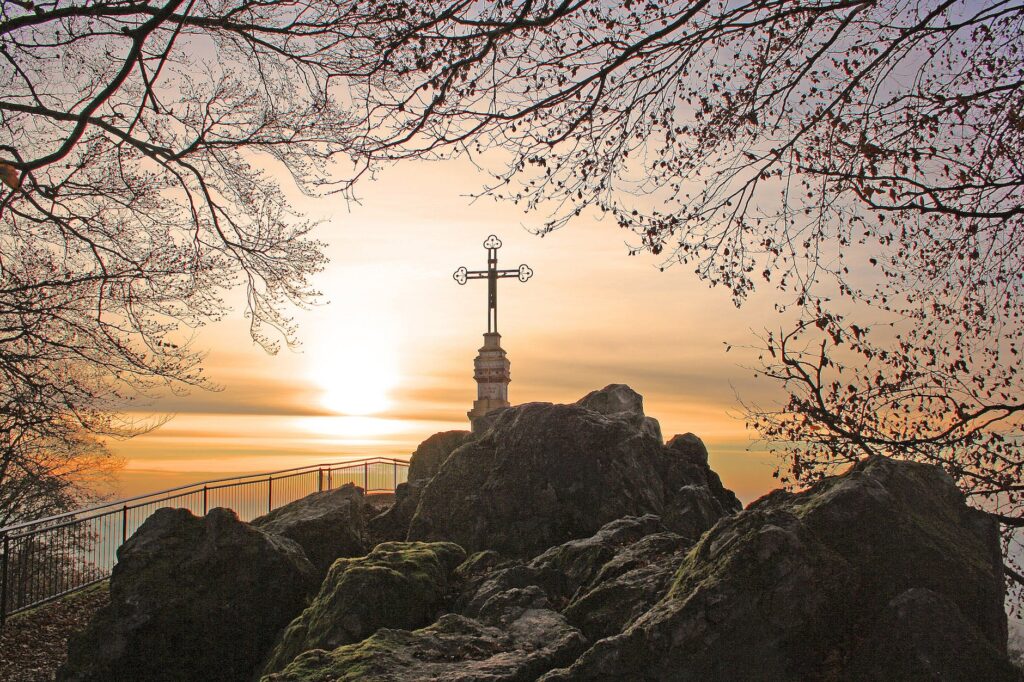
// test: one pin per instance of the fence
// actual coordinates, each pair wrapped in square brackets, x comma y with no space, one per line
[48,558]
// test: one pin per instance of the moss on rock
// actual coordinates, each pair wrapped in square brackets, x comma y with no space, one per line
[532,641]
[397,585]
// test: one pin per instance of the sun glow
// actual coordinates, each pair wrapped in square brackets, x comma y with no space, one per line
[350,428]
[356,368]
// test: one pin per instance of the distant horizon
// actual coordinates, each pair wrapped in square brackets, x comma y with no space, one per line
[747,473]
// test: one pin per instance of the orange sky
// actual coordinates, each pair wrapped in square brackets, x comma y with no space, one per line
[387,360]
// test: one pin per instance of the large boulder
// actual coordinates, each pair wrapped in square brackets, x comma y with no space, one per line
[393,523]
[697,497]
[190,596]
[516,639]
[877,574]
[327,525]
[542,474]
[622,401]
[397,585]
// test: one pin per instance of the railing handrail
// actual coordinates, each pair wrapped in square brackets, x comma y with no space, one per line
[6,530]
[78,548]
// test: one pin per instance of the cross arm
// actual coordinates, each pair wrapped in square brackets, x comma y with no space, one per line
[462,275]
[523,272]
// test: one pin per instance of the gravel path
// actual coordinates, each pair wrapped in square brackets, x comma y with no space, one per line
[34,644]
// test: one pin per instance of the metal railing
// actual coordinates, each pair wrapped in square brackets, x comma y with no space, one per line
[47,558]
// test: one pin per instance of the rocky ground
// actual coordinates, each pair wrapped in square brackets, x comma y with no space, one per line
[566,542]
[35,643]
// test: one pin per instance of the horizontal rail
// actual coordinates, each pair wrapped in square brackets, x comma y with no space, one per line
[241,479]
[47,558]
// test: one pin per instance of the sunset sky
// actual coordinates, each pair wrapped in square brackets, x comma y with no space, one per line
[386,361]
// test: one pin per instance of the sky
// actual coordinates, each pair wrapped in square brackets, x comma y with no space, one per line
[387,359]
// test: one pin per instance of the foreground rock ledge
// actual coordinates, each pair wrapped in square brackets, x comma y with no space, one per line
[453,648]
[883,573]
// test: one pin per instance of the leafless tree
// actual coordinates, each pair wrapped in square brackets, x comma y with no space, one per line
[848,398]
[142,147]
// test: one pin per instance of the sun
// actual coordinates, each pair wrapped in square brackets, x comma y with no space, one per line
[356,370]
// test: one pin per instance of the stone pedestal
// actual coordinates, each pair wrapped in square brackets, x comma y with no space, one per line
[491,371]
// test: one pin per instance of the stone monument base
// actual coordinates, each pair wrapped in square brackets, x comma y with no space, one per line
[491,369]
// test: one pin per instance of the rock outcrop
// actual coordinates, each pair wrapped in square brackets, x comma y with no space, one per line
[877,574]
[327,525]
[432,453]
[397,585]
[543,474]
[189,596]
[598,553]
[393,523]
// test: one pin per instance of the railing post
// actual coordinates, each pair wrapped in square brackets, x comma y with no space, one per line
[320,480]
[366,477]
[205,500]
[124,524]
[394,479]
[270,493]
[330,479]
[3,579]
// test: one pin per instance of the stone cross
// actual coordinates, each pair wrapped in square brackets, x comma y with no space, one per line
[491,368]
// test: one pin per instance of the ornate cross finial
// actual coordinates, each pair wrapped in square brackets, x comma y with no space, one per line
[492,273]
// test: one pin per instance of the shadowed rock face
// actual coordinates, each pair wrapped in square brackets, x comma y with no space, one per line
[393,524]
[600,583]
[822,585]
[189,596]
[626,585]
[560,572]
[326,525]
[431,454]
[544,474]
[397,585]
